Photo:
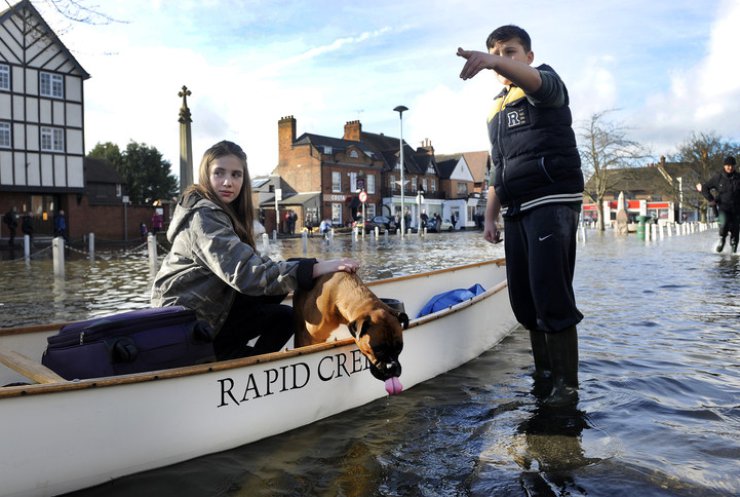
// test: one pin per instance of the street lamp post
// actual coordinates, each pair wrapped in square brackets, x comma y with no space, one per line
[400,109]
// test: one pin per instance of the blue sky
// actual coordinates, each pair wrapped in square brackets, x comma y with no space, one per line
[667,67]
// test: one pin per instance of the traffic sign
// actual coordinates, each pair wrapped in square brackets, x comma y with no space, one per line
[363,197]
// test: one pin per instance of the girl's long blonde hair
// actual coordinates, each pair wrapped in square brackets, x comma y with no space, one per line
[241,210]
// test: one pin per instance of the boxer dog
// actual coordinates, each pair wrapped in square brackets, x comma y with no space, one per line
[342,298]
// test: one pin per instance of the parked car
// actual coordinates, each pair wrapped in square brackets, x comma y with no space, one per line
[381,222]
[445,225]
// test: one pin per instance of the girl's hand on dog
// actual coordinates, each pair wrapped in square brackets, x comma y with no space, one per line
[333,265]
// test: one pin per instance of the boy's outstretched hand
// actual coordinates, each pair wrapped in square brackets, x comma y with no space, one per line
[476,61]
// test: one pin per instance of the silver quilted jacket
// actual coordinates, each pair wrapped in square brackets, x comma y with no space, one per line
[208,264]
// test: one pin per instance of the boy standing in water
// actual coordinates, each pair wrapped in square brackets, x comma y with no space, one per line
[537,185]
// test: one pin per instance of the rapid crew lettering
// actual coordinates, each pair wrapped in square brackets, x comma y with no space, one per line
[290,377]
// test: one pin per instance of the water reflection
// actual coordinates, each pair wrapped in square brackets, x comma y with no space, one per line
[116,281]
[658,412]
[551,450]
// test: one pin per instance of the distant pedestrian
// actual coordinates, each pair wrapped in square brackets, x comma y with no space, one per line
[11,220]
[60,225]
[27,224]
[157,222]
[726,199]
[143,231]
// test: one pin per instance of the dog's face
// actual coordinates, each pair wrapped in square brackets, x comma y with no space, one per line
[379,336]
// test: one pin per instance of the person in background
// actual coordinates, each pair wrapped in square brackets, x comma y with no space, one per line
[11,221]
[60,225]
[726,200]
[531,135]
[157,222]
[215,269]
[27,224]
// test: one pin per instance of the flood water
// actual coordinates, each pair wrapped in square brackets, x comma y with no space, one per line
[659,413]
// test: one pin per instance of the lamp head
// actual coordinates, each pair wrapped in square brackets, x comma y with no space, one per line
[400,109]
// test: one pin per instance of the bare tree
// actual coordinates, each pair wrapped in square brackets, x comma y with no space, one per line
[62,13]
[704,153]
[604,147]
[74,10]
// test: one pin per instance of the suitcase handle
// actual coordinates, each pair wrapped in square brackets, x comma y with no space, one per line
[124,350]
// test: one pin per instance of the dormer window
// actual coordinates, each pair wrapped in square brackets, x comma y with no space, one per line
[353,153]
[327,150]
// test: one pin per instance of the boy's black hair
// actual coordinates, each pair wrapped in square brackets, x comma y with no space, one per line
[508,32]
[729,161]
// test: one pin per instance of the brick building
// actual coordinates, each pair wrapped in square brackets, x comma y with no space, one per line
[331,172]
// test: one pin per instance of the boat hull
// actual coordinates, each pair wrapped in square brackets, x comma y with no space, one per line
[61,437]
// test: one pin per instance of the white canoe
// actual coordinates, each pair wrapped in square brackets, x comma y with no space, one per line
[58,436]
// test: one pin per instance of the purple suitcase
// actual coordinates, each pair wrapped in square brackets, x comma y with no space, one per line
[130,342]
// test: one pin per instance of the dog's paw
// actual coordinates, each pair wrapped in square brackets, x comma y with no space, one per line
[393,386]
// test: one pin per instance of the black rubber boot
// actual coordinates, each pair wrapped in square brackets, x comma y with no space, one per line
[720,244]
[733,246]
[542,371]
[562,348]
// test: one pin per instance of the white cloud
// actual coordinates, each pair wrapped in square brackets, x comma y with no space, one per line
[248,64]
[703,97]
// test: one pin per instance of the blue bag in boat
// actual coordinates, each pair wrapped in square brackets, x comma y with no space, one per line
[450,298]
[130,342]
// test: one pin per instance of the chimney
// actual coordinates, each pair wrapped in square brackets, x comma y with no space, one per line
[426,146]
[286,135]
[353,131]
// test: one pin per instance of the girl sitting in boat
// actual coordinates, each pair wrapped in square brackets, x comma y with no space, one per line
[214,268]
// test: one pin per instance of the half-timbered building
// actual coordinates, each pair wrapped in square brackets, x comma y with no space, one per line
[41,119]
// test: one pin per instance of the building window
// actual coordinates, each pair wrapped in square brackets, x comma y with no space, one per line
[336,181]
[353,182]
[370,183]
[4,77]
[52,85]
[462,189]
[336,214]
[353,153]
[424,184]
[52,139]
[434,186]
[5,135]
[392,183]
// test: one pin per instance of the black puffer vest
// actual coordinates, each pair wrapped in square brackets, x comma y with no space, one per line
[534,153]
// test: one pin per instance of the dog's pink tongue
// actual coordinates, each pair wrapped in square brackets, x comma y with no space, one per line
[393,386]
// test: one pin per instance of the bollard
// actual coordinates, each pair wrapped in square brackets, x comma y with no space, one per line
[151,244]
[91,246]
[641,227]
[58,255]
[27,247]
[377,232]
[304,239]
[265,243]
[583,233]
[274,235]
